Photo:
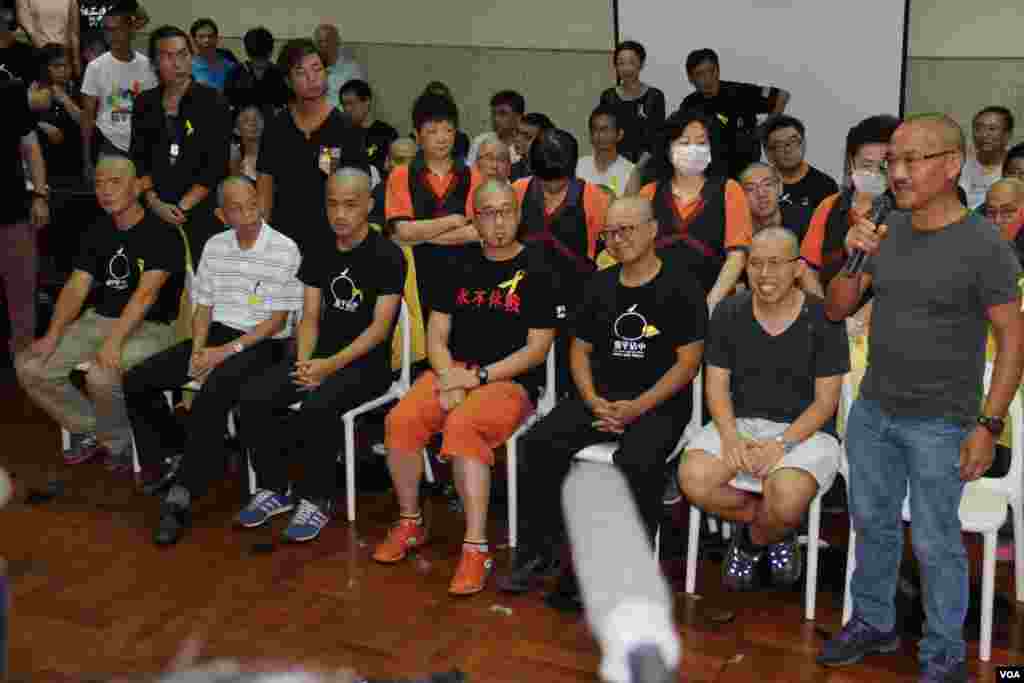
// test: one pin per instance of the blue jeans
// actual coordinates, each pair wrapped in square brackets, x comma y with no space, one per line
[886,452]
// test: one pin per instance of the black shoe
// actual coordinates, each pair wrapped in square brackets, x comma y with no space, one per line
[785,561]
[739,569]
[527,569]
[160,479]
[174,519]
[856,640]
[566,597]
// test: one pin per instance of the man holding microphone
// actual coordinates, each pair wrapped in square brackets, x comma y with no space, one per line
[940,276]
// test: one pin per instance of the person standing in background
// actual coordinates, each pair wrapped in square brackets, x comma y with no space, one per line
[53,21]
[181,141]
[605,166]
[258,81]
[733,106]
[210,65]
[507,109]
[340,70]
[640,107]
[993,128]
[112,82]
[357,102]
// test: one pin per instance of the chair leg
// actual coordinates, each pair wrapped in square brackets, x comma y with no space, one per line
[851,562]
[988,595]
[65,440]
[1018,549]
[813,537]
[511,461]
[350,466]
[428,471]
[252,474]
[657,544]
[692,550]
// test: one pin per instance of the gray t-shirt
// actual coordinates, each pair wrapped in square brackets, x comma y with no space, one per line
[929,324]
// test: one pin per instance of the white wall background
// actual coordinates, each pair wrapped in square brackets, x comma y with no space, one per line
[840,60]
[529,24]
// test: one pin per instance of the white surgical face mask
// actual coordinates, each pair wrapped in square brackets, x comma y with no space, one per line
[691,159]
[870,182]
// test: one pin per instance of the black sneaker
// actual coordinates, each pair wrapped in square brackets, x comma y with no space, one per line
[527,569]
[855,641]
[157,479]
[566,597]
[785,561]
[739,568]
[174,519]
[944,670]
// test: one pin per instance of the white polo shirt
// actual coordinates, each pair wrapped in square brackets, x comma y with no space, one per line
[614,178]
[245,287]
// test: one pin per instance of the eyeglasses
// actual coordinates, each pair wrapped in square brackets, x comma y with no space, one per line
[491,215]
[493,158]
[623,232]
[772,265]
[892,162]
[785,146]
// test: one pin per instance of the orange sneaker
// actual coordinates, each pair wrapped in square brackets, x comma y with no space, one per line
[472,572]
[408,533]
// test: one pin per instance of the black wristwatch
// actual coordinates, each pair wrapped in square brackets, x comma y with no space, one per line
[482,374]
[995,425]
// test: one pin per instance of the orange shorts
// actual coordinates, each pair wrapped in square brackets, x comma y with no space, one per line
[489,415]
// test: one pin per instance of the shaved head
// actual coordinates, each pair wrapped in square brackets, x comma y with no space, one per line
[642,207]
[749,170]
[781,235]
[494,186]
[943,127]
[405,147]
[115,163]
[351,177]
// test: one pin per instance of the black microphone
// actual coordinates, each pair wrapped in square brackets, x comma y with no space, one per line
[880,208]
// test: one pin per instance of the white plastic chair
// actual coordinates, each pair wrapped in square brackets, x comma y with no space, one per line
[604,453]
[813,539]
[983,509]
[397,390]
[545,404]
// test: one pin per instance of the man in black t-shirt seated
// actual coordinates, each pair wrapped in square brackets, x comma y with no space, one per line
[775,369]
[638,341]
[785,144]
[487,338]
[135,265]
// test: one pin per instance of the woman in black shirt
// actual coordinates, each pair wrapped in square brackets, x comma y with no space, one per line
[59,124]
[640,107]
[181,136]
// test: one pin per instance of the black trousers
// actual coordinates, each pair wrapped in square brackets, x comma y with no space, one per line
[272,433]
[157,433]
[548,450]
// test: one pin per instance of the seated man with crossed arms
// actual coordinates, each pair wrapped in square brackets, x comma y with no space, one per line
[487,339]
[134,264]
[775,369]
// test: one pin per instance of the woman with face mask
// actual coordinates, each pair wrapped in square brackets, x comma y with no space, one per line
[867,145]
[703,217]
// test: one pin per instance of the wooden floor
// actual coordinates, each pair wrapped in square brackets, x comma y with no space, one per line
[93,598]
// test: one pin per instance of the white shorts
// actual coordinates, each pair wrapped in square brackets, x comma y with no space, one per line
[817,455]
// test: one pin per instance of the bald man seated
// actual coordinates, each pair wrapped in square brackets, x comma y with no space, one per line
[352,295]
[636,346]
[244,294]
[487,338]
[775,369]
[1004,206]
[401,152]
[133,264]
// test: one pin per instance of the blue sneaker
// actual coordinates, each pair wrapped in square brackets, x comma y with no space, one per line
[856,640]
[307,522]
[944,670]
[264,505]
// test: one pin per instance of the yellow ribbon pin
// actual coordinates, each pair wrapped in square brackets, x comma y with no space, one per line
[188,127]
[511,285]
[651,331]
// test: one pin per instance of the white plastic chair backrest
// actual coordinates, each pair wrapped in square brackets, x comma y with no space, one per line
[405,377]
[1012,484]
[549,395]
